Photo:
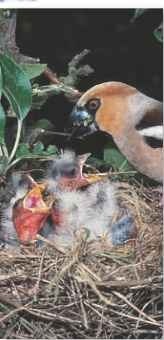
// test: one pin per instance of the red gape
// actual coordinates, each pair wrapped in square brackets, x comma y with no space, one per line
[72,183]
[29,215]
[28,223]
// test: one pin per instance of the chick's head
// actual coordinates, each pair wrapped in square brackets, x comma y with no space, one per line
[29,214]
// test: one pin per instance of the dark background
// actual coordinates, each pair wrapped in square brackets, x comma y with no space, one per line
[120,50]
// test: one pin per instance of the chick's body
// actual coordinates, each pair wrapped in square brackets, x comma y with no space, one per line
[25,214]
[73,205]
[94,209]
[8,234]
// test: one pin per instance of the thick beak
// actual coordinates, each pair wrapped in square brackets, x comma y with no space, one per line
[82,122]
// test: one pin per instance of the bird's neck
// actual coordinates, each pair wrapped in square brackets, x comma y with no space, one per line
[143,108]
[146,159]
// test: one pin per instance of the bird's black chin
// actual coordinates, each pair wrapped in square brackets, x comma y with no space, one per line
[83,131]
[82,122]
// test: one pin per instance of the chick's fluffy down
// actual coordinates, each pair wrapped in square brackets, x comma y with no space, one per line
[93,210]
[7,229]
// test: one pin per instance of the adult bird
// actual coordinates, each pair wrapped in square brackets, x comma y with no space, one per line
[126,114]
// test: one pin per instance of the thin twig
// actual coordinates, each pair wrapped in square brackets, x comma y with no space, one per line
[18,135]
[36,287]
[15,311]
[51,76]
[122,297]
[52,244]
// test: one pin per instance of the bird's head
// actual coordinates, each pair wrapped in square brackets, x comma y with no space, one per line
[104,107]
[66,172]
[30,213]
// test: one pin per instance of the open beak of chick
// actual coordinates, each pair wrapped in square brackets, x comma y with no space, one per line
[79,179]
[30,213]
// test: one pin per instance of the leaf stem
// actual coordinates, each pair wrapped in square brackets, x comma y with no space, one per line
[13,163]
[1,152]
[17,139]
[4,150]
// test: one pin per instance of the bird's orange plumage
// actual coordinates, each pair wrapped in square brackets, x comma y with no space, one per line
[122,108]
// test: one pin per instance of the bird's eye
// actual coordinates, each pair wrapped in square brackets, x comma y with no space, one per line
[93,104]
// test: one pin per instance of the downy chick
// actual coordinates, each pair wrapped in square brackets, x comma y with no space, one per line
[8,234]
[26,213]
[94,209]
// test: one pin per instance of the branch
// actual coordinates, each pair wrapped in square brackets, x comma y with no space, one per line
[65,84]
[8,37]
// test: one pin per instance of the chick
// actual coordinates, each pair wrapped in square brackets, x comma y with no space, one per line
[8,234]
[66,172]
[30,214]
[25,214]
[94,209]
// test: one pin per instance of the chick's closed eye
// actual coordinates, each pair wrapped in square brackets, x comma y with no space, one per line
[64,170]
[69,171]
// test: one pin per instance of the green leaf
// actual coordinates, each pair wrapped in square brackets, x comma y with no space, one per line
[115,158]
[38,151]
[43,124]
[52,150]
[16,86]
[33,70]
[23,151]
[138,12]
[96,162]
[2,125]
[38,148]
[3,164]
[1,82]
[158,33]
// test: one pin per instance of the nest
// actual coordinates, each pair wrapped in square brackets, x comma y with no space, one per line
[90,291]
